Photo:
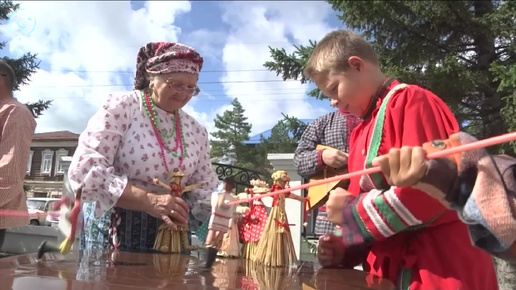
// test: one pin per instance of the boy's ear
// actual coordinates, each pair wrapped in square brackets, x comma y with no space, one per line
[355,63]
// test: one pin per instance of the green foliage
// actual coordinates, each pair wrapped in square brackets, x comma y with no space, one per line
[290,66]
[312,246]
[233,130]
[24,66]
[284,136]
[464,51]
[283,139]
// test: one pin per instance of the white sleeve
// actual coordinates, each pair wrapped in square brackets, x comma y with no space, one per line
[92,163]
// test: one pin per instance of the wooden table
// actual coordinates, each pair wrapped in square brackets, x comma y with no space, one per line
[136,271]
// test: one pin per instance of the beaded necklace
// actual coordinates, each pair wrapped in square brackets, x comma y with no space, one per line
[179,136]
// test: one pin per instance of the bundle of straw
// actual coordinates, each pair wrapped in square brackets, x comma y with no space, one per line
[247,281]
[169,268]
[276,248]
[275,278]
[173,241]
[170,240]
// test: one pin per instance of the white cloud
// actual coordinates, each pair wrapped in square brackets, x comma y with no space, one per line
[254,26]
[96,41]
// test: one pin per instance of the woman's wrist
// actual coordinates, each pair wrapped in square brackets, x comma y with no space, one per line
[134,198]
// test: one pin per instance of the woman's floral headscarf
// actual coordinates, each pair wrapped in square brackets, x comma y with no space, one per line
[165,57]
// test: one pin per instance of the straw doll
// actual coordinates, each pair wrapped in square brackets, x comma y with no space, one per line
[254,220]
[276,278]
[220,219]
[276,248]
[169,269]
[174,240]
[231,242]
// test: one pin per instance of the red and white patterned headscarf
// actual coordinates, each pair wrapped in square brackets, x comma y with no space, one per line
[165,57]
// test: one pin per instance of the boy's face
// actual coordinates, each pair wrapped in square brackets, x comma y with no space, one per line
[349,90]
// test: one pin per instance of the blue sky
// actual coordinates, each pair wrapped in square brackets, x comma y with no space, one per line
[88,49]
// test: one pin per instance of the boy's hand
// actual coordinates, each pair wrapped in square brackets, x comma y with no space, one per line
[403,167]
[330,250]
[335,205]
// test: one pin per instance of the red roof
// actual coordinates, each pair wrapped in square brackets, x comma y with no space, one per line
[57,135]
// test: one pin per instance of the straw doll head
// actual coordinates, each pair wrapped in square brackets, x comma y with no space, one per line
[259,186]
[281,178]
[176,176]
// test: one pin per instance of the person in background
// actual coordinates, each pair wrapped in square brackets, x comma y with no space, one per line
[402,233]
[333,130]
[137,136]
[17,126]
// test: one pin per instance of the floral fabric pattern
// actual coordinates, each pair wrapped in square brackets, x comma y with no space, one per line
[118,148]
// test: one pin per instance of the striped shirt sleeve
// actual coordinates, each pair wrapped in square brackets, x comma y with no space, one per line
[378,215]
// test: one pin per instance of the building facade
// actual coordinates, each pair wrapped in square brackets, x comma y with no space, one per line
[50,155]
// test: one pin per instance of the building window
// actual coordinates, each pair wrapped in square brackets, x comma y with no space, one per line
[59,164]
[46,161]
[29,164]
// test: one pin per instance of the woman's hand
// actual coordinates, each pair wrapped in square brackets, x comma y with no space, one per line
[172,210]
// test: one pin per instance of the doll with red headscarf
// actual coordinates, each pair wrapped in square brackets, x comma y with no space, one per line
[254,220]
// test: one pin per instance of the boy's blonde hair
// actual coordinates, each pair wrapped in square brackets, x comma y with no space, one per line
[334,50]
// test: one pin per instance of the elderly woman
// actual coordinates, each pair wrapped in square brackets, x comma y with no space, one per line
[135,137]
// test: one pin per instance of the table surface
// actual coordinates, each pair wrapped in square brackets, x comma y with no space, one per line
[135,271]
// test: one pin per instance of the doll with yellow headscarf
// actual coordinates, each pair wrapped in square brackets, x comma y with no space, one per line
[276,248]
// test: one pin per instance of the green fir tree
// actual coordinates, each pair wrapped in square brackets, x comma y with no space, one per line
[232,131]
[24,66]
[464,51]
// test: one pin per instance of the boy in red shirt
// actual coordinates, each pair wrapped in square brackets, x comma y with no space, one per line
[403,234]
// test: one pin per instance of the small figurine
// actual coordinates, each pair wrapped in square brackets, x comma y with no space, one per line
[254,220]
[280,182]
[174,240]
[276,248]
[220,219]
[231,242]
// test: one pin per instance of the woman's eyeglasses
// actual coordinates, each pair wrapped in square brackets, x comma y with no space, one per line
[181,88]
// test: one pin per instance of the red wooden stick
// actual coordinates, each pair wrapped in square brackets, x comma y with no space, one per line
[20,213]
[508,137]
[462,148]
